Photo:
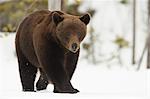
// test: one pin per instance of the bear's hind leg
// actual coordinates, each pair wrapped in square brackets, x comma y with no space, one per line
[42,82]
[27,75]
[27,71]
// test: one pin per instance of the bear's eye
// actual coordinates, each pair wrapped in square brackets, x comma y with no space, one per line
[66,38]
[68,33]
[78,33]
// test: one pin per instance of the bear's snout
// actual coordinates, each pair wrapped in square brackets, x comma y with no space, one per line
[74,46]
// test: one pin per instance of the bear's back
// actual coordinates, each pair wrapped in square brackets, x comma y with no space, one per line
[25,32]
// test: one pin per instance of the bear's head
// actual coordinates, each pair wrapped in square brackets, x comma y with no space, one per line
[70,30]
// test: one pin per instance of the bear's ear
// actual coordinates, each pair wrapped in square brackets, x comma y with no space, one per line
[57,18]
[85,18]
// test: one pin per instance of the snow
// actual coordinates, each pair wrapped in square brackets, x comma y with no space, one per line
[100,81]
[92,81]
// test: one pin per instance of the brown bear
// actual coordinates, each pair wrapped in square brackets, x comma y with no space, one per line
[49,41]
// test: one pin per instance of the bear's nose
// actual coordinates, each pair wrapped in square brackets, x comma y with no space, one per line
[74,46]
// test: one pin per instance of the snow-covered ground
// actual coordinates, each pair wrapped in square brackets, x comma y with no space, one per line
[93,81]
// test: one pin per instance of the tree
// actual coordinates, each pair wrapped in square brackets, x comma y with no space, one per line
[54,4]
[148,42]
[134,31]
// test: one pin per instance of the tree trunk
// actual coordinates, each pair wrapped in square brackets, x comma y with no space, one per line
[148,56]
[63,5]
[54,5]
[134,31]
[148,52]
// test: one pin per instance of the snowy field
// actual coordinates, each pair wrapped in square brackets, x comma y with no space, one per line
[92,81]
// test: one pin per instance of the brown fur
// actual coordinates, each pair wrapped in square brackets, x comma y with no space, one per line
[42,40]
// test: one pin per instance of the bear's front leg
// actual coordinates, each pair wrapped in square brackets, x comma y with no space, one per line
[51,58]
[71,60]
